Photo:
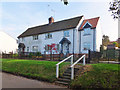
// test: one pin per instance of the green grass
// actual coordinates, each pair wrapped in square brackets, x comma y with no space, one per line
[41,70]
[101,76]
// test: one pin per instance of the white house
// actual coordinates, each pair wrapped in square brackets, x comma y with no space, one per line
[7,43]
[75,35]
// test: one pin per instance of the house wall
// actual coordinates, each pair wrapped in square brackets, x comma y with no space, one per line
[41,42]
[85,39]
[77,36]
[98,36]
[7,43]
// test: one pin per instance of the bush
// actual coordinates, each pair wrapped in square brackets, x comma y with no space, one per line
[15,55]
[30,55]
[38,54]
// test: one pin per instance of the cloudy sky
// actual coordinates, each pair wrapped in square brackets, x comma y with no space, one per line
[18,15]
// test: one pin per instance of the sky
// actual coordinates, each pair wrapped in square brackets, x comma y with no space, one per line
[16,16]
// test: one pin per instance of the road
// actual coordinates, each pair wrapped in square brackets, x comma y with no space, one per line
[12,81]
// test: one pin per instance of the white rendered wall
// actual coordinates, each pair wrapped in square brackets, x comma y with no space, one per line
[41,42]
[77,36]
[86,38]
[7,43]
[98,36]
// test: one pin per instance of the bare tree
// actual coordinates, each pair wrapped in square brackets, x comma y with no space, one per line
[115,8]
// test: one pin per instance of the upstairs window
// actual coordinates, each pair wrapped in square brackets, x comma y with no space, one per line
[48,36]
[23,39]
[66,33]
[86,46]
[87,31]
[35,37]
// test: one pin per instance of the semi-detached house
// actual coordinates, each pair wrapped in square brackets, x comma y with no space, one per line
[75,35]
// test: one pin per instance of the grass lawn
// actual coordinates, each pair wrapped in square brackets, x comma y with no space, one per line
[100,76]
[41,70]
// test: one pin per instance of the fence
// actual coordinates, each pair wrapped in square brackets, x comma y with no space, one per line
[110,54]
[94,56]
[39,56]
[105,55]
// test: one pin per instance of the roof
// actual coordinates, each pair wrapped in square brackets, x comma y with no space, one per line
[64,40]
[92,21]
[56,26]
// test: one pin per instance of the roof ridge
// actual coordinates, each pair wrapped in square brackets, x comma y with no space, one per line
[92,18]
[56,21]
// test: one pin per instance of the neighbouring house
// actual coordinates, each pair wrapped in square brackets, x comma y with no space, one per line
[7,43]
[75,35]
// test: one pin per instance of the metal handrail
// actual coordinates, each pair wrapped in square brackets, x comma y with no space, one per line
[72,66]
[57,65]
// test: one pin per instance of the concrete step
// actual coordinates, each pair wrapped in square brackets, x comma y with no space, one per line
[63,80]
[66,74]
[69,69]
[60,82]
[66,77]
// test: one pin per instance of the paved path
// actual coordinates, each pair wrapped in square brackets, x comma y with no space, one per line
[12,81]
[113,62]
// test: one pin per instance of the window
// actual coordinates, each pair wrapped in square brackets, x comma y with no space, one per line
[47,47]
[86,46]
[23,39]
[35,48]
[27,49]
[66,33]
[87,31]
[48,36]
[35,37]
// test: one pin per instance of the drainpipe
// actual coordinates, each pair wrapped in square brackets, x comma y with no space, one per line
[73,43]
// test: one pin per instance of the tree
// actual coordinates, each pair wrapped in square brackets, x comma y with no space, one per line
[105,40]
[115,8]
[116,44]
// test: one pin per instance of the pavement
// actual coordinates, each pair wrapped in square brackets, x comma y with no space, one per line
[12,81]
[112,62]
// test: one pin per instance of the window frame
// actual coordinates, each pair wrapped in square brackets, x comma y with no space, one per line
[86,46]
[35,37]
[66,33]
[87,31]
[35,50]
[48,36]
[27,49]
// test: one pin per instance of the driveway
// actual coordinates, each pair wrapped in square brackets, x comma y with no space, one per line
[12,81]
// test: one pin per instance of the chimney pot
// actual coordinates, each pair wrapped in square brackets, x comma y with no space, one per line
[51,20]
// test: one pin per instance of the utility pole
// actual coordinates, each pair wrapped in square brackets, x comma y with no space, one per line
[119,30]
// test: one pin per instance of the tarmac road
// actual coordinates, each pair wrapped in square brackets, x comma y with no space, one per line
[12,81]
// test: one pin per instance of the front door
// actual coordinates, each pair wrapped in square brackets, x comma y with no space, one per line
[65,48]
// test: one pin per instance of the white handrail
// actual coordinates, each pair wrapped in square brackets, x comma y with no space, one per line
[72,66]
[57,65]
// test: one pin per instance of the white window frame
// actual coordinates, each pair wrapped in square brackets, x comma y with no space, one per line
[66,33]
[27,49]
[35,37]
[48,36]
[23,39]
[35,48]
[87,31]
[86,46]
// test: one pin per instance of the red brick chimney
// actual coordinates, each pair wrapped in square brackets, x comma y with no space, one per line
[51,20]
